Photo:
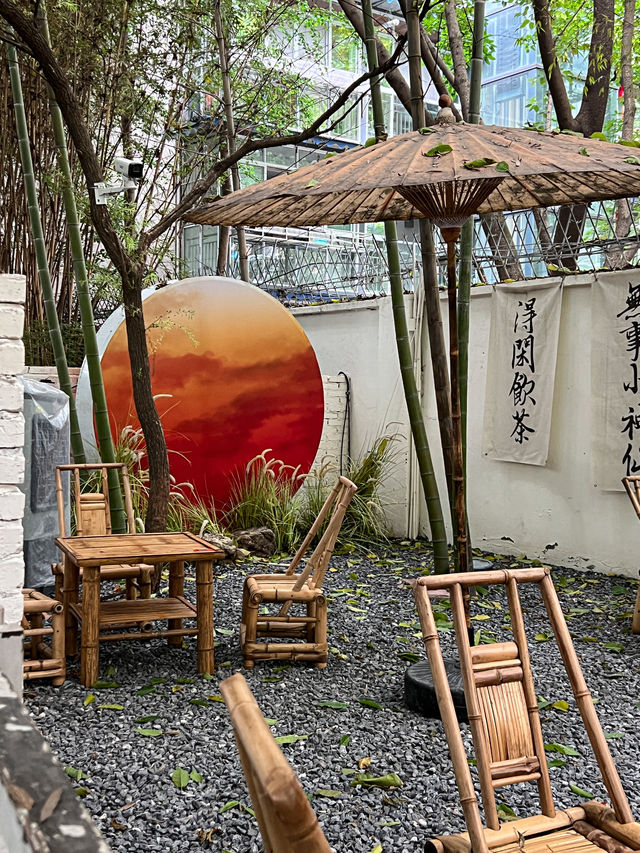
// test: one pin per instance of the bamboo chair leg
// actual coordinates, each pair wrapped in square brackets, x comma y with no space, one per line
[176,590]
[131,589]
[145,582]
[36,622]
[71,578]
[321,628]
[312,611]
[251,632]
[585,704]
[635,623]
[57,646]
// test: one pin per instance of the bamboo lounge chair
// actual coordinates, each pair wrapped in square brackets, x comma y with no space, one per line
[287,822]
[505,728]
[300,590]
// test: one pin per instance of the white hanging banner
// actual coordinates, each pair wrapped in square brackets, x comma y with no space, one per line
[521,369]
[615,379]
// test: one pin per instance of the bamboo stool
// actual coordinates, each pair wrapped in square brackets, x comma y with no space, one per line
[304,589]
[40,659]
[92,513]
[632,485]
[287,822]
[506,732]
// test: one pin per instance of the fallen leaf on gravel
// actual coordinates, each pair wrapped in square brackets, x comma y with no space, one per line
[327,792]
[377,849]
[390,780]
[50,804]
[363,763]
[180,778]
[149,732]
[290,738]
[230,805]
[89,699]
[580,792]
[326,703]
[119,827]
[128,806]
[369,703]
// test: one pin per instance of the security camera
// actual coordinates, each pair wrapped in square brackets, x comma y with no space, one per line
[129,168]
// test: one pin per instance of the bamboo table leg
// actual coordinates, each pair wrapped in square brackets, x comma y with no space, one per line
[204,602]
[176,589]
[70,584]
[89,641]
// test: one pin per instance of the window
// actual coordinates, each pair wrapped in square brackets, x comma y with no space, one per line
[346,51]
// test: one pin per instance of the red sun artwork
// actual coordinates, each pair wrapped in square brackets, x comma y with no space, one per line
[233,374]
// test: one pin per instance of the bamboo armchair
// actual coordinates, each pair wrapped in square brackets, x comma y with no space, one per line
[632,485]
[287,822]
[93,518]
[303,589]
[506,732]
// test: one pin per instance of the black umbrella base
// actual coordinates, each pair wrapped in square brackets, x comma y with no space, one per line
[420,693]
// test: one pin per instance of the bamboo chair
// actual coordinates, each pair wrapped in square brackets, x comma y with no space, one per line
[41,659]
[93,518]
[632,485]
[289,588]
[505,728]
[287,822]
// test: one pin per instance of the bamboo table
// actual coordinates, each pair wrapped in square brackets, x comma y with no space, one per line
[90,552]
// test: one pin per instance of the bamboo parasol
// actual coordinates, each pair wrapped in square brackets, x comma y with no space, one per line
[445,173]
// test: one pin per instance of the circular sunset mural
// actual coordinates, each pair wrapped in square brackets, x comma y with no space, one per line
[233,374]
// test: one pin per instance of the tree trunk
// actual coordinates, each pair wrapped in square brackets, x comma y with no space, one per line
[503,250]
[156,448]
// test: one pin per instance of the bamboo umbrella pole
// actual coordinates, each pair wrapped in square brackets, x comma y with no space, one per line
[466,240]
[412,397]
[460,514]
[44,277]
[584,701]
[100,413]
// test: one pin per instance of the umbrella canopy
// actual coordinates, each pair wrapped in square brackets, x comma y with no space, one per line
[445,173]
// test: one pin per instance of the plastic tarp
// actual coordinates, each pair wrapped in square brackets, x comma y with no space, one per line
[46,417]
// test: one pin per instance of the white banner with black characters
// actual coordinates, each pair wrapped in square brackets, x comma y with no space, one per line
[521,369]
[615,378]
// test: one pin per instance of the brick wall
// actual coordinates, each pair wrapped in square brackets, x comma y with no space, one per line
[12,293]
[335,403]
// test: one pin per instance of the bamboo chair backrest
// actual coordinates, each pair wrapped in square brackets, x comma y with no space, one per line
[317,564]
[501,699]
[632,485]
[92,508]
[287,822]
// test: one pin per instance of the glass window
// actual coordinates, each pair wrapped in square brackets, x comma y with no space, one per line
[349,125]
[345,48]
[387,99]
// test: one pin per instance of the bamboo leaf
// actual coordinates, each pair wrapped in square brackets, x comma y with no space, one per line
[614,647]
[105,685]
[201,702]
[228,806]
[75,773]
[478,164]
[561,705]
[149,718]
[561,748]
[345,740]
[144,691]
[111,707]
[149,732]
[328,792]
[635,161]
[327,703]
[195,776]
[88,699]
[614,735]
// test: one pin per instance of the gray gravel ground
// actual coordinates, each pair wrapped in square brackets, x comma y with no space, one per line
[128,786]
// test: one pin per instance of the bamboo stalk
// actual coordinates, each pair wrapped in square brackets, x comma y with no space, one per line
[449,720]
[100,412]
[584,701]
[57,344]
[405,356]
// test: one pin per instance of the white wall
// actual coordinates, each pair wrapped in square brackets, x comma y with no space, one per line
[553,512]
[12,293]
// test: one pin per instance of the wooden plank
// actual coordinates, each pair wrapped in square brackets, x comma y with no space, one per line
[140,610]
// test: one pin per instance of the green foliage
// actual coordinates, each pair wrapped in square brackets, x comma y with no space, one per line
[264,495]
[37,344]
